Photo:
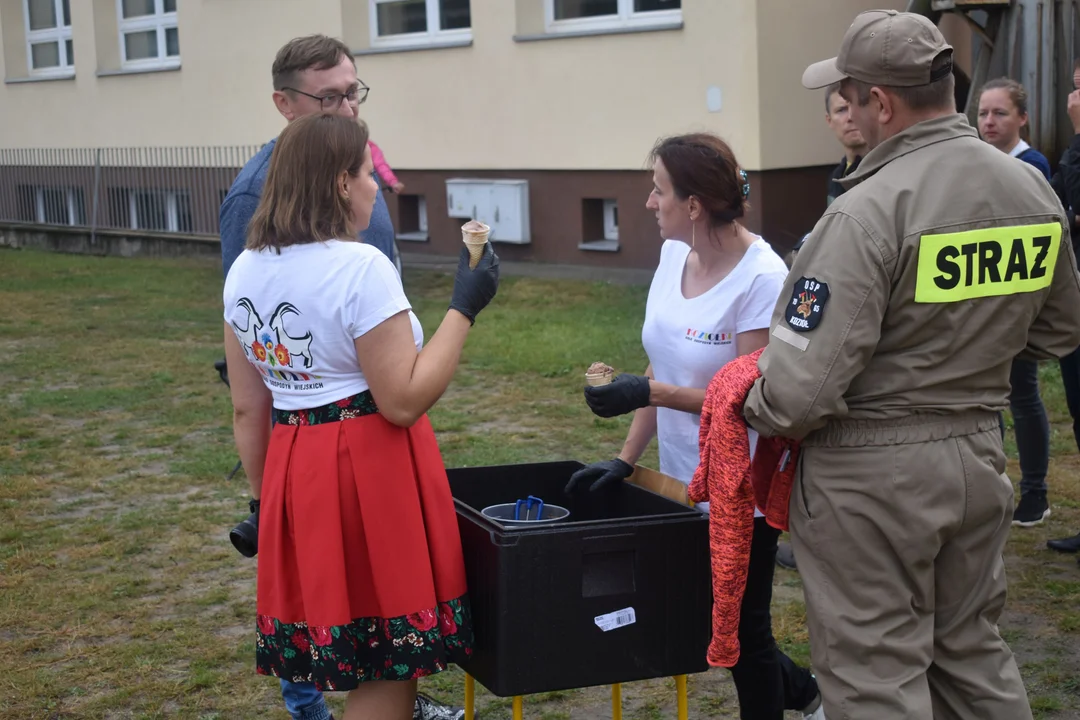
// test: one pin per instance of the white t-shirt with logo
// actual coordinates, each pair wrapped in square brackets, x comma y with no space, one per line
[689,340]
[297,313]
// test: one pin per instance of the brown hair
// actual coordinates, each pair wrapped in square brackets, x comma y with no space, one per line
[938,95]
[703,166]
[311,52]
[1016,91]
[301,202]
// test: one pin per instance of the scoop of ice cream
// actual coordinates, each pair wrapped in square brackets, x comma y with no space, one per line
[475,226]
[599,368]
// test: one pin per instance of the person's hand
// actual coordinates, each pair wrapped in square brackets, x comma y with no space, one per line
[474,288]
[1074,109]
[601,475]
[626,393]
[398,187]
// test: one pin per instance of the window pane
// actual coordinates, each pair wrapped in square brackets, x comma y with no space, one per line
[137,8]
[654,5]
[571,9]
[170,5]
[183,213]
[141,45]
[42,14]
[402,16]
[55,206]
[79,207]
[172,42]
[150,211]
[454,14]
[45,55]
[70,47]
[67,13]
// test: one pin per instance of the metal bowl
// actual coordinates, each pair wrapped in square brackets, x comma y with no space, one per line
[504,514]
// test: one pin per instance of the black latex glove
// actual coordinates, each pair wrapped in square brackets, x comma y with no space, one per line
[474,289]
[626,393]
[601,474]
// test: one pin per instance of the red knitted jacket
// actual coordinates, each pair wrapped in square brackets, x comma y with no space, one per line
[732,487]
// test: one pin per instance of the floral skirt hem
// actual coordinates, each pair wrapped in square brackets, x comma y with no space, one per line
[340,657]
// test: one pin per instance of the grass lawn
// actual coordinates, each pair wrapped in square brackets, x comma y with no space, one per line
[120,595]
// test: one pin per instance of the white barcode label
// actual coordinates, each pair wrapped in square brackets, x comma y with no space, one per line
[617,619]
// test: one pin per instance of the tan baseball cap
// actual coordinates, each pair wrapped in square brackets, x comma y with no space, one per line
[884,47]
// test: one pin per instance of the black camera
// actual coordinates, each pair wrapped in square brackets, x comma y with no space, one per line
[245,536]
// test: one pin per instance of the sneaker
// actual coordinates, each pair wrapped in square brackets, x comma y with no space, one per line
[817,712]
[428,709]
[785,556]
[1031,511]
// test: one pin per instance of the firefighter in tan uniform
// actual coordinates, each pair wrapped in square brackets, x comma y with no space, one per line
[889,358]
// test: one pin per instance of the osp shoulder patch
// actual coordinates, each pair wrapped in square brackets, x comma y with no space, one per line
[807,304]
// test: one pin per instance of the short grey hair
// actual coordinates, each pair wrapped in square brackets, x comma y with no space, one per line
[938,95]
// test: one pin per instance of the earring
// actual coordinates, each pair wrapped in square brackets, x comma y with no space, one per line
[693,236]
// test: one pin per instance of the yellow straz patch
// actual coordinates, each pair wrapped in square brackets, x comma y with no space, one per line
[985,263]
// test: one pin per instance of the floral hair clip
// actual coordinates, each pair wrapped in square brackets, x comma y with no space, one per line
[746,183]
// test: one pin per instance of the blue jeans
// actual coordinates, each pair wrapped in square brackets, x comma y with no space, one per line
[303,701]
[1031,426]
[1030,421]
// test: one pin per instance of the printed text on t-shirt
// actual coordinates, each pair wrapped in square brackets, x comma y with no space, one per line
[707,338]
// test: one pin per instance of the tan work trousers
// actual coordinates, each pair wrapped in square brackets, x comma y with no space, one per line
[898,529]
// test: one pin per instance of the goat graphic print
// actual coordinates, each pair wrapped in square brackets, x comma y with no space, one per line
[277,354]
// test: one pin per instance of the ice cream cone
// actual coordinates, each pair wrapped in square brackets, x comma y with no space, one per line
[475,236]
[598,379]
[599,374]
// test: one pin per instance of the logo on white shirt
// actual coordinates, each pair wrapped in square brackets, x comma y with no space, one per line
[707,338]
[272,350]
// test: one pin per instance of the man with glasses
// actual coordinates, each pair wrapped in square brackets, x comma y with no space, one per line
[313,74]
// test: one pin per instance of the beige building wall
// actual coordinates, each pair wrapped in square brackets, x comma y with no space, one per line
[597,102]
[591,103]
[219,96]
[791,35]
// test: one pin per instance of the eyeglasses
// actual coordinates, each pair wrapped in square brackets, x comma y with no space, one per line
[356,96]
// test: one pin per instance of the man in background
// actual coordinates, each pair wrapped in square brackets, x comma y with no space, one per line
[838,118]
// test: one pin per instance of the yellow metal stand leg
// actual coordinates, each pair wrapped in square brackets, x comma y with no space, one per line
[470,696]
[519,708]
[684,700]
[616,702]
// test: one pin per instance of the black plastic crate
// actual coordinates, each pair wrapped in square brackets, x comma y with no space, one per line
[537,591]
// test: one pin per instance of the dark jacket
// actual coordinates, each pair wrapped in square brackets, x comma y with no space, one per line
[1066,183]
[841,171]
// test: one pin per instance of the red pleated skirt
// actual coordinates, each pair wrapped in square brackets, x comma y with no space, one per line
[360,575]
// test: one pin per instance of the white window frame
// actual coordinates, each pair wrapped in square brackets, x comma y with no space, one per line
[434,37]
[160,21]
[59,34]
[624,19]
[39,205]
[611,220]
[421,211]
[172,209]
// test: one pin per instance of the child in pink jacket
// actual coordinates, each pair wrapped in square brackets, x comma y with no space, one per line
[383,168]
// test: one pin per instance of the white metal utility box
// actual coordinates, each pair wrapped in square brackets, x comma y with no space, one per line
[501,204]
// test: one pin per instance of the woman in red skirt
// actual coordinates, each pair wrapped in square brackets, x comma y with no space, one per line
[361,580]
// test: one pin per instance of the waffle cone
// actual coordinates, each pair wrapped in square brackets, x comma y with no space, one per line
[598,379]
[475,236]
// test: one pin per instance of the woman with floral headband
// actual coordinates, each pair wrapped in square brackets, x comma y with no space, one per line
[711,300]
